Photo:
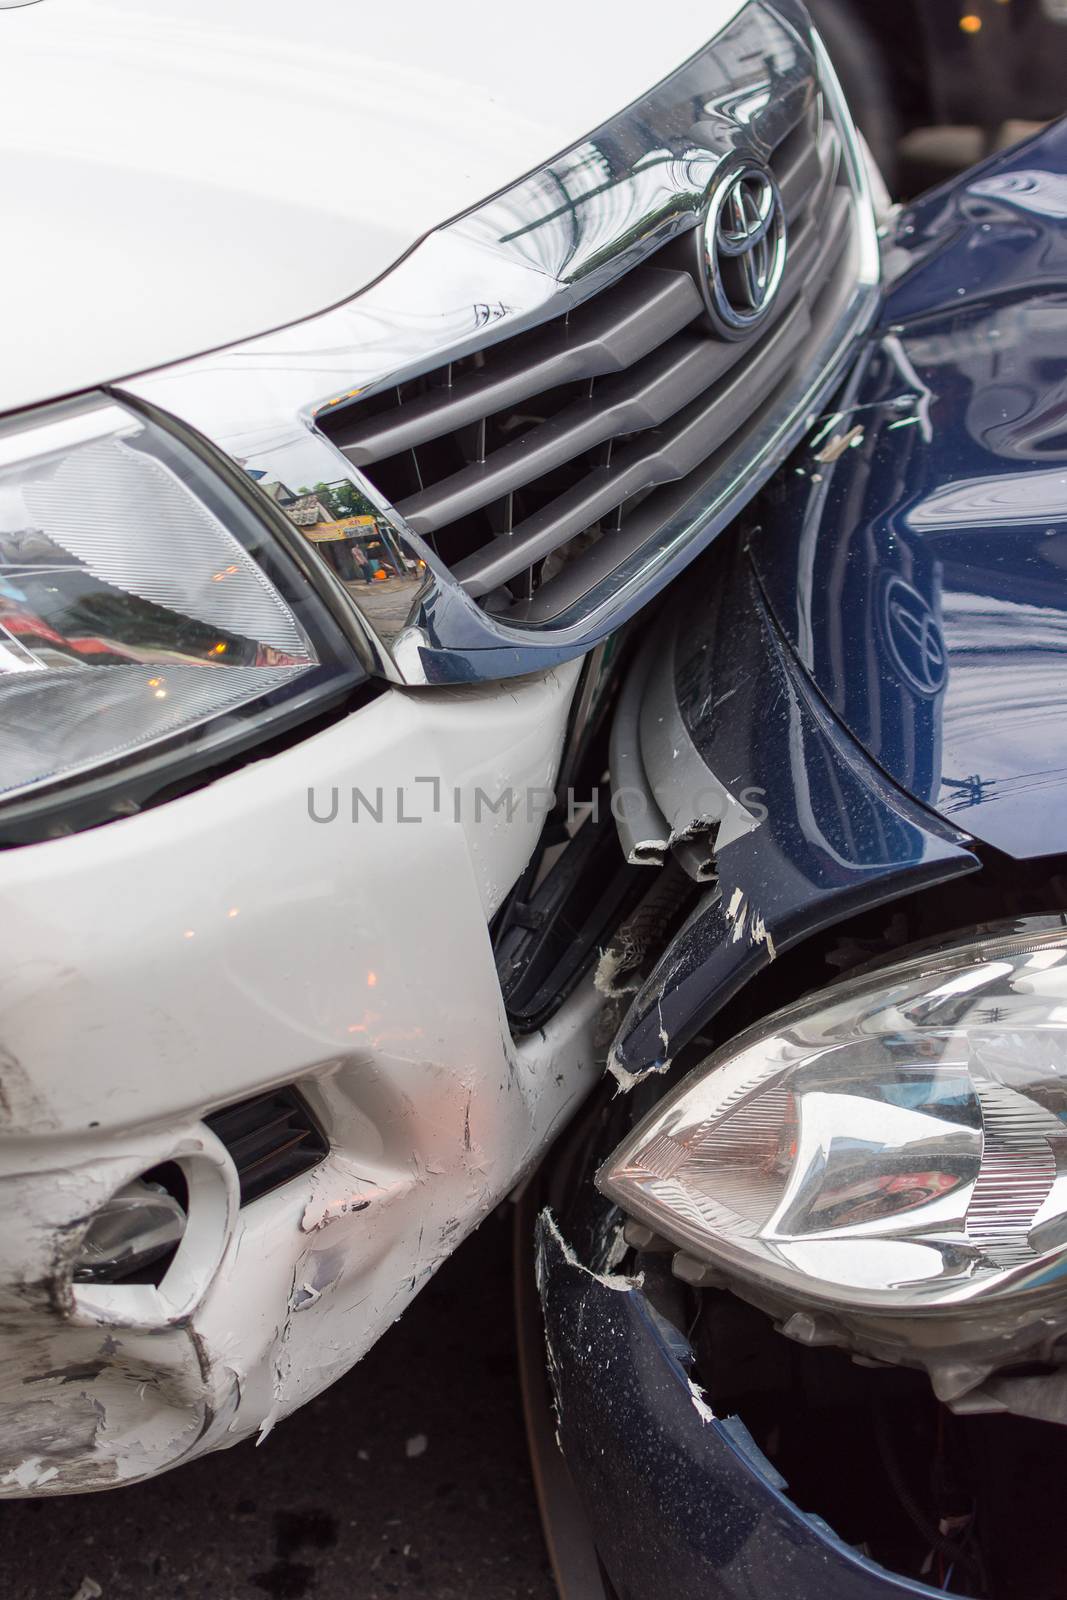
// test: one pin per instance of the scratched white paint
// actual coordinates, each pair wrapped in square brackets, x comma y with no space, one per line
[700,1405]
[221,944]
[617,1281]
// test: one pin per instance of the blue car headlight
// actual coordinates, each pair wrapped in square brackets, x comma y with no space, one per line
[883,1165]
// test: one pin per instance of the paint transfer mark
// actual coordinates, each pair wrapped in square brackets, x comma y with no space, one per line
[737,915]
[836,446]
[746,921]
[609,1280]
[759,934]
[828,427]
[614,960]
[700,1405]
[30,1474]
[627,1080]
[21,1105]
[319,1211]
[618,1248]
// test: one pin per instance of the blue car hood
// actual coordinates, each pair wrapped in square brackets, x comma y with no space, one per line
[914,552]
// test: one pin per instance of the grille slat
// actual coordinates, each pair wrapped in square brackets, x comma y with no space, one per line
[809,170]
[605,335]
[663,507]
[537,467]
[701,428]
[797,180]
[646,395]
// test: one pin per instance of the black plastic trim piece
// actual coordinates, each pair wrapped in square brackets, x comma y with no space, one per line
[272,1138]
[545,940]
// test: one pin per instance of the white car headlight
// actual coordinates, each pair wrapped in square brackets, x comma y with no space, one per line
[888,1158]
[142,602]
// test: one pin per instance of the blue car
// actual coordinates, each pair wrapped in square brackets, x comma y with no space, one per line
[801,1268]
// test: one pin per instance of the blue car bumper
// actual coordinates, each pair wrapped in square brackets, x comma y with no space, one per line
[682,1503]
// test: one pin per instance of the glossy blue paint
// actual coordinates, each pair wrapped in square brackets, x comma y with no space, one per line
[914,550]
[680,1505]
[836,836]
[885,663]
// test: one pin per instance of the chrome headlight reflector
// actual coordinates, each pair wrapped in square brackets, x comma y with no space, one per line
[141,601]
[888,1157]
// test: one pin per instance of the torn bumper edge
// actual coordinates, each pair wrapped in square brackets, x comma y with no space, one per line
[664,797]
[816,834]
[680,1502]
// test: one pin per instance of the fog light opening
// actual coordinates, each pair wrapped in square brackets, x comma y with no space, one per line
[134,1237]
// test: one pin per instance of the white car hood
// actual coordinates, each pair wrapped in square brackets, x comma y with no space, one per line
[181,174]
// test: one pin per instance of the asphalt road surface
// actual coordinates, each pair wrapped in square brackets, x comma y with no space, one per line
[408,1478]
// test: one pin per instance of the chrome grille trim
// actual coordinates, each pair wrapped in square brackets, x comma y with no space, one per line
[287,406]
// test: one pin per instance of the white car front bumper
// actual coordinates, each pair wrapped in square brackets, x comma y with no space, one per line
[222,944]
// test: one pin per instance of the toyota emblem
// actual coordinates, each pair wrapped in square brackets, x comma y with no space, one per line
[744,249]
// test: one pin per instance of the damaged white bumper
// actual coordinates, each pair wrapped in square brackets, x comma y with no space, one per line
[228,943]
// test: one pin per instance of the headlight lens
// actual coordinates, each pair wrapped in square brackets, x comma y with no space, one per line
[897,1143]
[140,599]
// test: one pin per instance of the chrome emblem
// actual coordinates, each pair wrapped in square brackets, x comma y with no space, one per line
[914,637]
[744,249]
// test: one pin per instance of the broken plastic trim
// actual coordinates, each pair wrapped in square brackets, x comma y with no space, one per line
[610,1280]
[643,832]
[681,1500]
[550,931]
[664,798]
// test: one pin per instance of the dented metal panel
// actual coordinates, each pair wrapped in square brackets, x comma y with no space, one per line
[249,935]
[810,831]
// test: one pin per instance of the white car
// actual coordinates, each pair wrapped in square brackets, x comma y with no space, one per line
[364,371]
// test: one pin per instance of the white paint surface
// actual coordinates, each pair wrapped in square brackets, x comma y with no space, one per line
[181,174]
[181,960]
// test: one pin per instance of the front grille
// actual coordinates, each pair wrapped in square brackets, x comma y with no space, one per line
[536,467]
[271,1139]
